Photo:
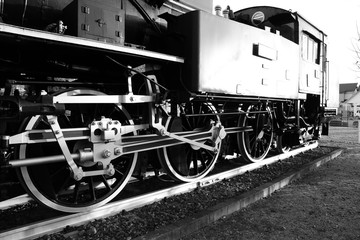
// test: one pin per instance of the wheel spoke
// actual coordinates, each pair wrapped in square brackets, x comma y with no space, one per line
[58,172]
[253,138]
[195,162]
[253,146]
[209,153]
[92,188]
[44,122]
[118,173]
[192,112]
[203,160]
[188,157]
[203,122]
[199,118]
[82,120]
[95,112]
[188,123]
[76,192]
[112,111]
[63,186]
[262,147]
[105,182]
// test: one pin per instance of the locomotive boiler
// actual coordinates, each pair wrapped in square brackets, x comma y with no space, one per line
[95,92]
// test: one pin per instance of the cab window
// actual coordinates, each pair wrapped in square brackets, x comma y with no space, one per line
[310,49]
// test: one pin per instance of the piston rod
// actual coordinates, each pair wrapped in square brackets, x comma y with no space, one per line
[40,160]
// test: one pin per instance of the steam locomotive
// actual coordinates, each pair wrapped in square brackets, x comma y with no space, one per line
[96,92]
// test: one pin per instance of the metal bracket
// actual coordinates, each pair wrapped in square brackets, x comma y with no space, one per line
[77,172]
[110,171]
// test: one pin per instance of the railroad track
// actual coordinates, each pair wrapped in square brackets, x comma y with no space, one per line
[57,224]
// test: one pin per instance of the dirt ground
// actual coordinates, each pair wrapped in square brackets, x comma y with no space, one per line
[325,204]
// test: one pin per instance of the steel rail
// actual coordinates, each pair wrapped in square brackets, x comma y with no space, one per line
[15,201]
[54,225]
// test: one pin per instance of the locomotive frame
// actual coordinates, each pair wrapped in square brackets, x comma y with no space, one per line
[76,128]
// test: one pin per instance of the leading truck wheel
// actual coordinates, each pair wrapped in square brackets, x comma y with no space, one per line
[51,184]
[254,145]
[185,162]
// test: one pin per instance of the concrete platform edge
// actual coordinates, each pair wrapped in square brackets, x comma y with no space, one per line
[210,215]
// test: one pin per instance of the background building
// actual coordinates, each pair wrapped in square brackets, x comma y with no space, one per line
[349,98]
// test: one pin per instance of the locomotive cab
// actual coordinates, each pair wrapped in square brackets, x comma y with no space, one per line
[294,27]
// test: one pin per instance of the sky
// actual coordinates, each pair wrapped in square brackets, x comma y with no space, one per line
[337,19]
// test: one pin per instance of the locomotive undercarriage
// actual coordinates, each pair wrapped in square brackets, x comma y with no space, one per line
[82,158]
[79,142]
[96,158]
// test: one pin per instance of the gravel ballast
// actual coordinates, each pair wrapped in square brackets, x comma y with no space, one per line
[143,221]
[324,204]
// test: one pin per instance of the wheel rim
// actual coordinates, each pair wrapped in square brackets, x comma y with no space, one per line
[254,145]
[52,185]
[185,162]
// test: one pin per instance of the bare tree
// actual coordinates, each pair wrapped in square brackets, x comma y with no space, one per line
[356,50]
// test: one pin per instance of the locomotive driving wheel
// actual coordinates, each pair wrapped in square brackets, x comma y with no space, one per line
[186,162]
[254,145]
[52,184]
